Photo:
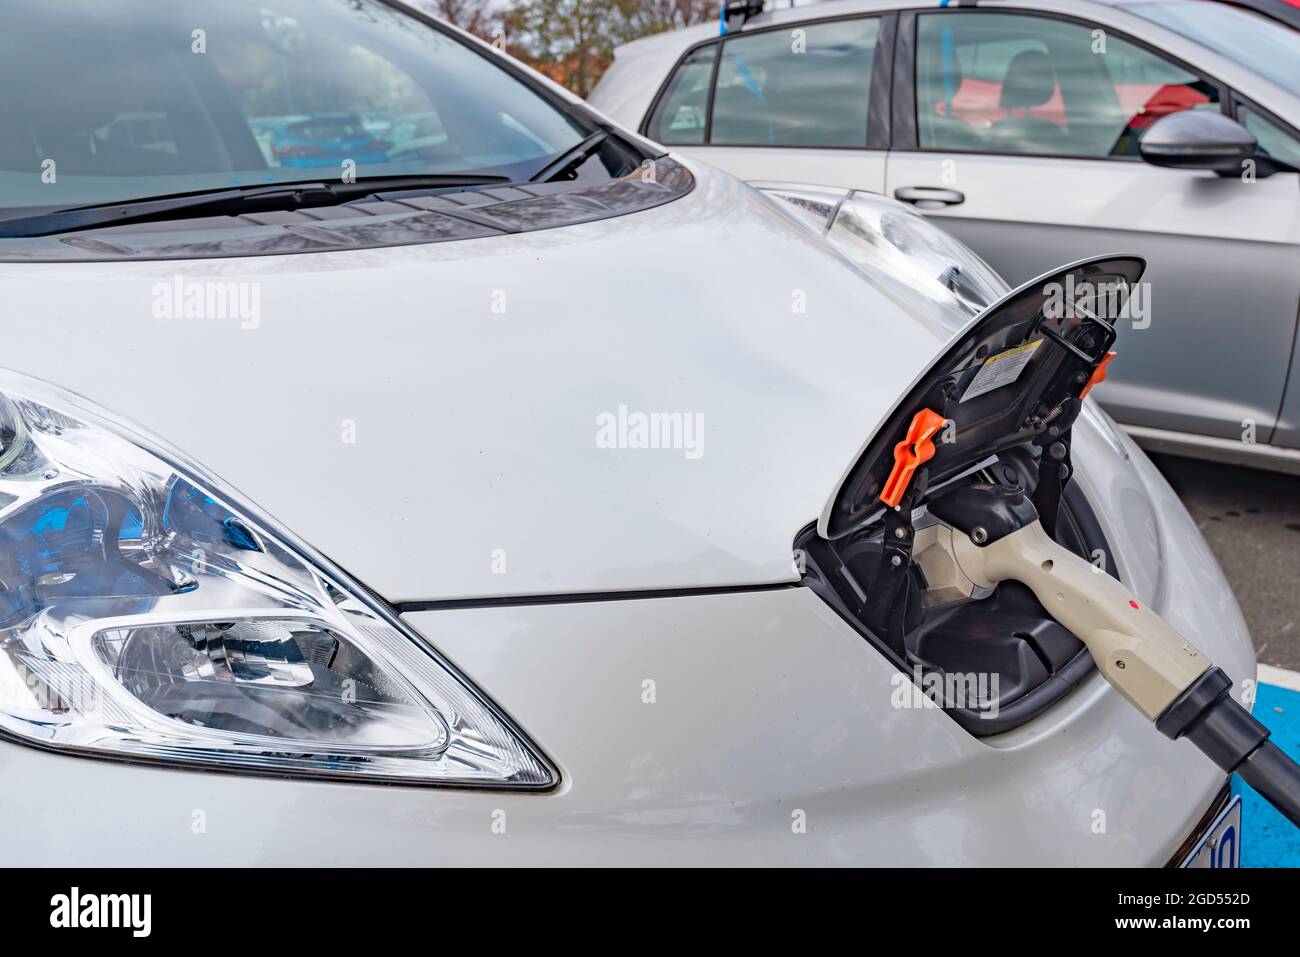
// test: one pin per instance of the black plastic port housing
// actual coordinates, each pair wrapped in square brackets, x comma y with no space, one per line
[1037,660]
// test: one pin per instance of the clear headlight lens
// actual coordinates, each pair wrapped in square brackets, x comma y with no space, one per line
[146,613]
[880,233]
[874,229]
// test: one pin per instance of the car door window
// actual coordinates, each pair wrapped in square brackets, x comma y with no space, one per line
[681,115]
[1273,140]
[809,85]
[1008,83]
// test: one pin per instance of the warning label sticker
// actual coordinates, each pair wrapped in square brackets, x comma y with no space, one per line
[1001,369]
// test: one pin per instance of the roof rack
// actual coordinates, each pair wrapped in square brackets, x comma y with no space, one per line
[736,13]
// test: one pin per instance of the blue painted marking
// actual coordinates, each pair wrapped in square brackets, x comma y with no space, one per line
[1268,839]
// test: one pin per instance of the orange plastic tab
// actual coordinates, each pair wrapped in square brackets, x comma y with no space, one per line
[1098,373]
[910,454]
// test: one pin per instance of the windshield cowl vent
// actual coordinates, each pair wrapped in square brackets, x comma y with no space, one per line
[390,220]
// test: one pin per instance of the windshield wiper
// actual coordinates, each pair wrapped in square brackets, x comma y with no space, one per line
[228,202]
[569,158]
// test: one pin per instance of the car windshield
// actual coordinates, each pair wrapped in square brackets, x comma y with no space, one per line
[112,100]
[1265,46]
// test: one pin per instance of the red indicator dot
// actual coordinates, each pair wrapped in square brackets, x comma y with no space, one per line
[1134,604]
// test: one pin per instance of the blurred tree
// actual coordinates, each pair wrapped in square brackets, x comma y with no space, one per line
[474,16]
[656,16]
[572,41]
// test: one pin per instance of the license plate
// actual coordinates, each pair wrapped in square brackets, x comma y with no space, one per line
[1220,845]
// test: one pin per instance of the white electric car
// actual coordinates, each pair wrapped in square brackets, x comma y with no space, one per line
[567,457]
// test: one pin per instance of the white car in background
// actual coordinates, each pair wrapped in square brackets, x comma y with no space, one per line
[1022,129]
[562,456]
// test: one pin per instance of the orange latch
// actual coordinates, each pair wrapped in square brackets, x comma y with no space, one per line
[910,454]
[1098,373]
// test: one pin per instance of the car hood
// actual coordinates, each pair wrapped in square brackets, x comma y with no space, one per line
[466,419]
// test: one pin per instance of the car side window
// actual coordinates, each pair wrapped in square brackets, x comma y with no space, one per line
[1273,140]
[808,85]
[1012,83]
[681,115]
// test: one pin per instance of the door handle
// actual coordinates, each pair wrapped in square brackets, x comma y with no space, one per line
[929,197]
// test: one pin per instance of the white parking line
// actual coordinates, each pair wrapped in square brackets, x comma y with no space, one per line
[1279,677]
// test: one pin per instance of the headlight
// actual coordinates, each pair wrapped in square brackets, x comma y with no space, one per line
[146,613]
[878,232]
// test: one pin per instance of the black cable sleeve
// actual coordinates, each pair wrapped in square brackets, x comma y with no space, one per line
[1229,735]
[1270,772]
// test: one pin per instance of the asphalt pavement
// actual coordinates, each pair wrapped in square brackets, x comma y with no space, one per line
[1251,518]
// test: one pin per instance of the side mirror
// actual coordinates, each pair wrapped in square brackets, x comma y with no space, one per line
[1201,139]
